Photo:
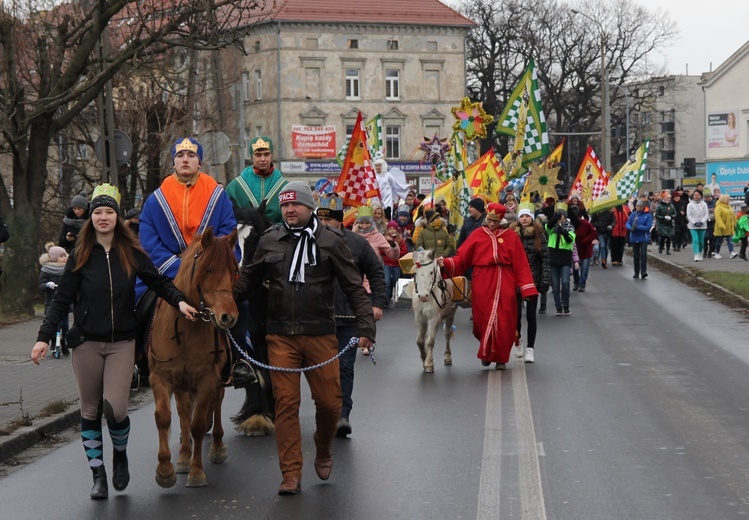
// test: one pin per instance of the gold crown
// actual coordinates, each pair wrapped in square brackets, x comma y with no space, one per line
[526,204]
[108,190]
[186,144]
[260,144]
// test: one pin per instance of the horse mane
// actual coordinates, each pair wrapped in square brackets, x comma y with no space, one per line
[219,256]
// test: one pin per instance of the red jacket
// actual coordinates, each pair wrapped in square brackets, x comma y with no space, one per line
[403,250]
[621,217]
[585,234]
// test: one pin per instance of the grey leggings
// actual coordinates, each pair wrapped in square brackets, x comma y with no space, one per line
[104,369]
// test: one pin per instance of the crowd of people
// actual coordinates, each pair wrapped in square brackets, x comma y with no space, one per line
[329,282]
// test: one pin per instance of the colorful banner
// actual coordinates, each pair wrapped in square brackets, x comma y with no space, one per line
[313,141]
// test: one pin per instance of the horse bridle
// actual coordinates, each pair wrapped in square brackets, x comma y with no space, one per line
[441,284]
[204,313]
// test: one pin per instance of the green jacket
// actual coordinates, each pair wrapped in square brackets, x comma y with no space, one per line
[250,189]
[742,228]
[437,239]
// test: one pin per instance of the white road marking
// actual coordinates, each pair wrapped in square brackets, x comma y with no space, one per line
[488,503]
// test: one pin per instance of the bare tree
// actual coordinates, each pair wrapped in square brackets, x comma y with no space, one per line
[567,50]
[50,71]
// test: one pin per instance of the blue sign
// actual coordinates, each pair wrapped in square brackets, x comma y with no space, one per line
[324,186]
[730,176]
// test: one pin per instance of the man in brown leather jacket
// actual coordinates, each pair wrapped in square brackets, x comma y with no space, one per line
[300,258]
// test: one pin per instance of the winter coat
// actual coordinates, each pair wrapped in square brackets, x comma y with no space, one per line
[435,237]
[307,308]
[664,225]
[469,224]
[103,297]
[697,213]
[71,224]
[561,241]
[585,234]
[725,220]
[742,227]
[604,222]
[621,215]
[538,261]
[639,225]
[402,250]
[50,272]
[369,265]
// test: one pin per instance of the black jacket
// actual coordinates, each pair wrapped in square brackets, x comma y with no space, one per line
[71,224]
[103,297]
[469,224]
[307,308]
[369,265]
[604,222]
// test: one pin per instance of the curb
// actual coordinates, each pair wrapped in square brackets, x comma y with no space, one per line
[25,438]
[658,261]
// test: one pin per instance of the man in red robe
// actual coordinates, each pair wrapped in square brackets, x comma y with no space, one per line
[500,268]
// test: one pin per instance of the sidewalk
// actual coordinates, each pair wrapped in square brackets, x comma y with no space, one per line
[25,389]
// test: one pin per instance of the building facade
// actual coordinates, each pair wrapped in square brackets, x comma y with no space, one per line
[312,66]
[726,124]
[670,112]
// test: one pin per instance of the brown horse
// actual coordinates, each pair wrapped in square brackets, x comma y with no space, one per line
[186,358]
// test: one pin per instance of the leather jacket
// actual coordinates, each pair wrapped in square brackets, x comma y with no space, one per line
[307,308]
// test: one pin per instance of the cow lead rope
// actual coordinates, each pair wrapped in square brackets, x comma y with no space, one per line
[351,344]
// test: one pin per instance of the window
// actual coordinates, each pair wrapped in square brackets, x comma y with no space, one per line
[392,84]
[258,85]
[647,118]
[661,91]
[353,44]
[352,83]
[82,152]
[349,131]
[393,141]
[246,86]
[392,45]
[648,175]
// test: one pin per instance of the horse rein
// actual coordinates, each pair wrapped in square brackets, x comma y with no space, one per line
[204,313]
[441,284]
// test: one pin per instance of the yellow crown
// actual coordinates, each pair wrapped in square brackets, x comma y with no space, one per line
[108,190]
[261,144]
[186,145]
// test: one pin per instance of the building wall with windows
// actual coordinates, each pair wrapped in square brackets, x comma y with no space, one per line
[669,112]
[322,74]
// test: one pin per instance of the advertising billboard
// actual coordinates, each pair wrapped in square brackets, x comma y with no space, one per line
[730,176]
[313,141]
[722,130]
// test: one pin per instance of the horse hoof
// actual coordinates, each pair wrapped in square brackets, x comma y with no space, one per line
[256,426]
[448,362]
[428,370]
[217,456]
[166,482]
[196,481]
[183,466]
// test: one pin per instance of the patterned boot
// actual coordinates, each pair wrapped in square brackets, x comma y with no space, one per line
[119,432]
[92,444]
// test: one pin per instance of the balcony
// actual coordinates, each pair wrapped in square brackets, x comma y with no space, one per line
[667,127]
[667,155]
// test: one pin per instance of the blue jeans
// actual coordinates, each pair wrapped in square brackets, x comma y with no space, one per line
[560,285]
[584,268]
[640,256]
[392,273]
[603,247]
[719,241]
[344,333]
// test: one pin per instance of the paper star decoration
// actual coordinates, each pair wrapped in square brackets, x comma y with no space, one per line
[542,179]
[471,119]
[434,149]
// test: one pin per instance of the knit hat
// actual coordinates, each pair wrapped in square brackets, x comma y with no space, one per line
[331,206]
[105,195]
[393,224]
[562,208]
[189,144]
[640,203]
[297,191]
[80,201]
[574,195]
[56,252]
[526,208]
[365,214]
[477,204]
[431,216]
[495,211]
[509,188]
[261,143]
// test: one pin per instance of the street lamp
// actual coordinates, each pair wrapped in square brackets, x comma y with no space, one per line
[605,121]
[626,99]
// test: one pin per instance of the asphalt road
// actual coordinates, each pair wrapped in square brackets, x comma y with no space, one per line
[635,409]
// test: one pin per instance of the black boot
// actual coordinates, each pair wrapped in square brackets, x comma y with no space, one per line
[120,472]
[100,489]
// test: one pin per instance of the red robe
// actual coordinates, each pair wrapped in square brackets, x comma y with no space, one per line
[500,268]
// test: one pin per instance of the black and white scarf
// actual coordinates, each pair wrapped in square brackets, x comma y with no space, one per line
[306,249]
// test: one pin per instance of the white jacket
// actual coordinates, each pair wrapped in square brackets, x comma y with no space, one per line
[697,212]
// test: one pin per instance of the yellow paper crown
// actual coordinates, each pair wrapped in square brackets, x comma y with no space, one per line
[108,190]
[260,143]
[526,204]
[364,211]
[186,145]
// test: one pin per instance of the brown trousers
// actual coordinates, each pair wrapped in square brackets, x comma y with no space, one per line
[300,351]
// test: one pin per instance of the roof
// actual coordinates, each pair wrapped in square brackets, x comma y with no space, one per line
[709,78]
[391,12]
